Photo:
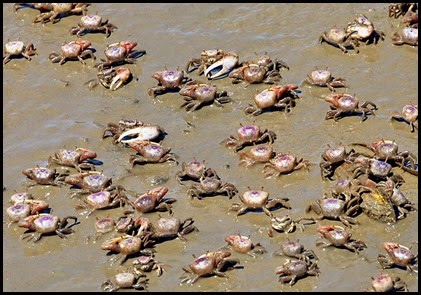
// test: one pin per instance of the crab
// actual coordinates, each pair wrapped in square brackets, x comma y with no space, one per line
[399,256]
[399,9]
[279,97]
[207,58]
[104,200]
[243,244]
[258,199]
[253,73]
[333,157]
[168,80]
[372,168]
[128,246]
[293,270]
[401,202]
[171,227]
[249,135]
[92,23]
[44,224]
[90,182]
[270,64]
[344,104]
[141,134]
[384,283]
[54,11]
[102,226]
[225,65]
[125,280]
[324,78]
[112,78]
[210,184]
[409,114]
[193,170]
[77,158]
[114,130]
[336,236]
[120,53]
[131,225]
[147,263]
[406,36]
[286,224]
[25,208]
[210,263]
[153,200]
[283,163]
[336,209]
[18,48]
[44,176]
[197,95]
[362,29]
[295,249]
[257,154]
[340,38]
[410,18]
[150,152]
[78,49]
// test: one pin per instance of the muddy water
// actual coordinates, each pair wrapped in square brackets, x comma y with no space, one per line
[47,107]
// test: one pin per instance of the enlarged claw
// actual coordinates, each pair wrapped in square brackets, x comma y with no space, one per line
[139,134]
[228,62]
[122,75]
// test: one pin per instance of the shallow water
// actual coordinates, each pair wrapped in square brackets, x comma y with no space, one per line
[47,107]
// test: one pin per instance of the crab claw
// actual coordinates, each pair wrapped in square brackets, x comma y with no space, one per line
[228,62]
[122,75]
[139,134]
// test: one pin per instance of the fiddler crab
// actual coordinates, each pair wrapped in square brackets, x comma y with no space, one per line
[44,224]
[168,80]
[258,200]
[92,23]
[210,263]
[409,114]
[128,131]
[25,208]
[345,104]
[114,130]
[125,280]
[243,244]
[362,29]
[333,157]
[120,53]
[223,66]
[167,228]
[253,73]
[340,38]
[193,170]
[73,50]
[336,236]
[147,263]
[276,97]
[210,184]
[295,249]
[293,270]
[249,135]
[197,95]
[77,158]
[407,36]
[89,182]
[399,256]
[18,48]
[153,200]
[270,64]
[257,154]
[112,78]
[372,168]
[286,224]
[324,78]
[45,176]
[283,163]
[207,58]
[102,226]
[384,283]
[150,152]
[52,12]
[131,225]
[336,209]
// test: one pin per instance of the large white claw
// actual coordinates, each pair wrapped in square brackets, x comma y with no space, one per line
[227,63]
[138,134]
[122,75]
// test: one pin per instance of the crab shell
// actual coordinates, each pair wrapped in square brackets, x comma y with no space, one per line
[239,243]
[14,47]
[91,21]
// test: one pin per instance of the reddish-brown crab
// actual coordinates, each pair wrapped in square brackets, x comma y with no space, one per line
[258,200]
[150,152]
[120,53]
[278,97]
[92,23]
[249,135]
[324,78]
[153,200]
[407,36]
[128,246]
[225,65]
[384,283]
[207,58]
[257,154]
[44,176]
[197,95]
[210,184]
[398,255]
[292,270]
[210,263]
[336,236]
[112,78]
[44,224]
[409,114]
[283,163]
[344,104]
[340,38]
[253,73]
[243,244]
[168,80]
[77,158]
[73,50]
[18,48]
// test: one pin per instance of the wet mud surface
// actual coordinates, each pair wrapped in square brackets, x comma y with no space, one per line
[47,107]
